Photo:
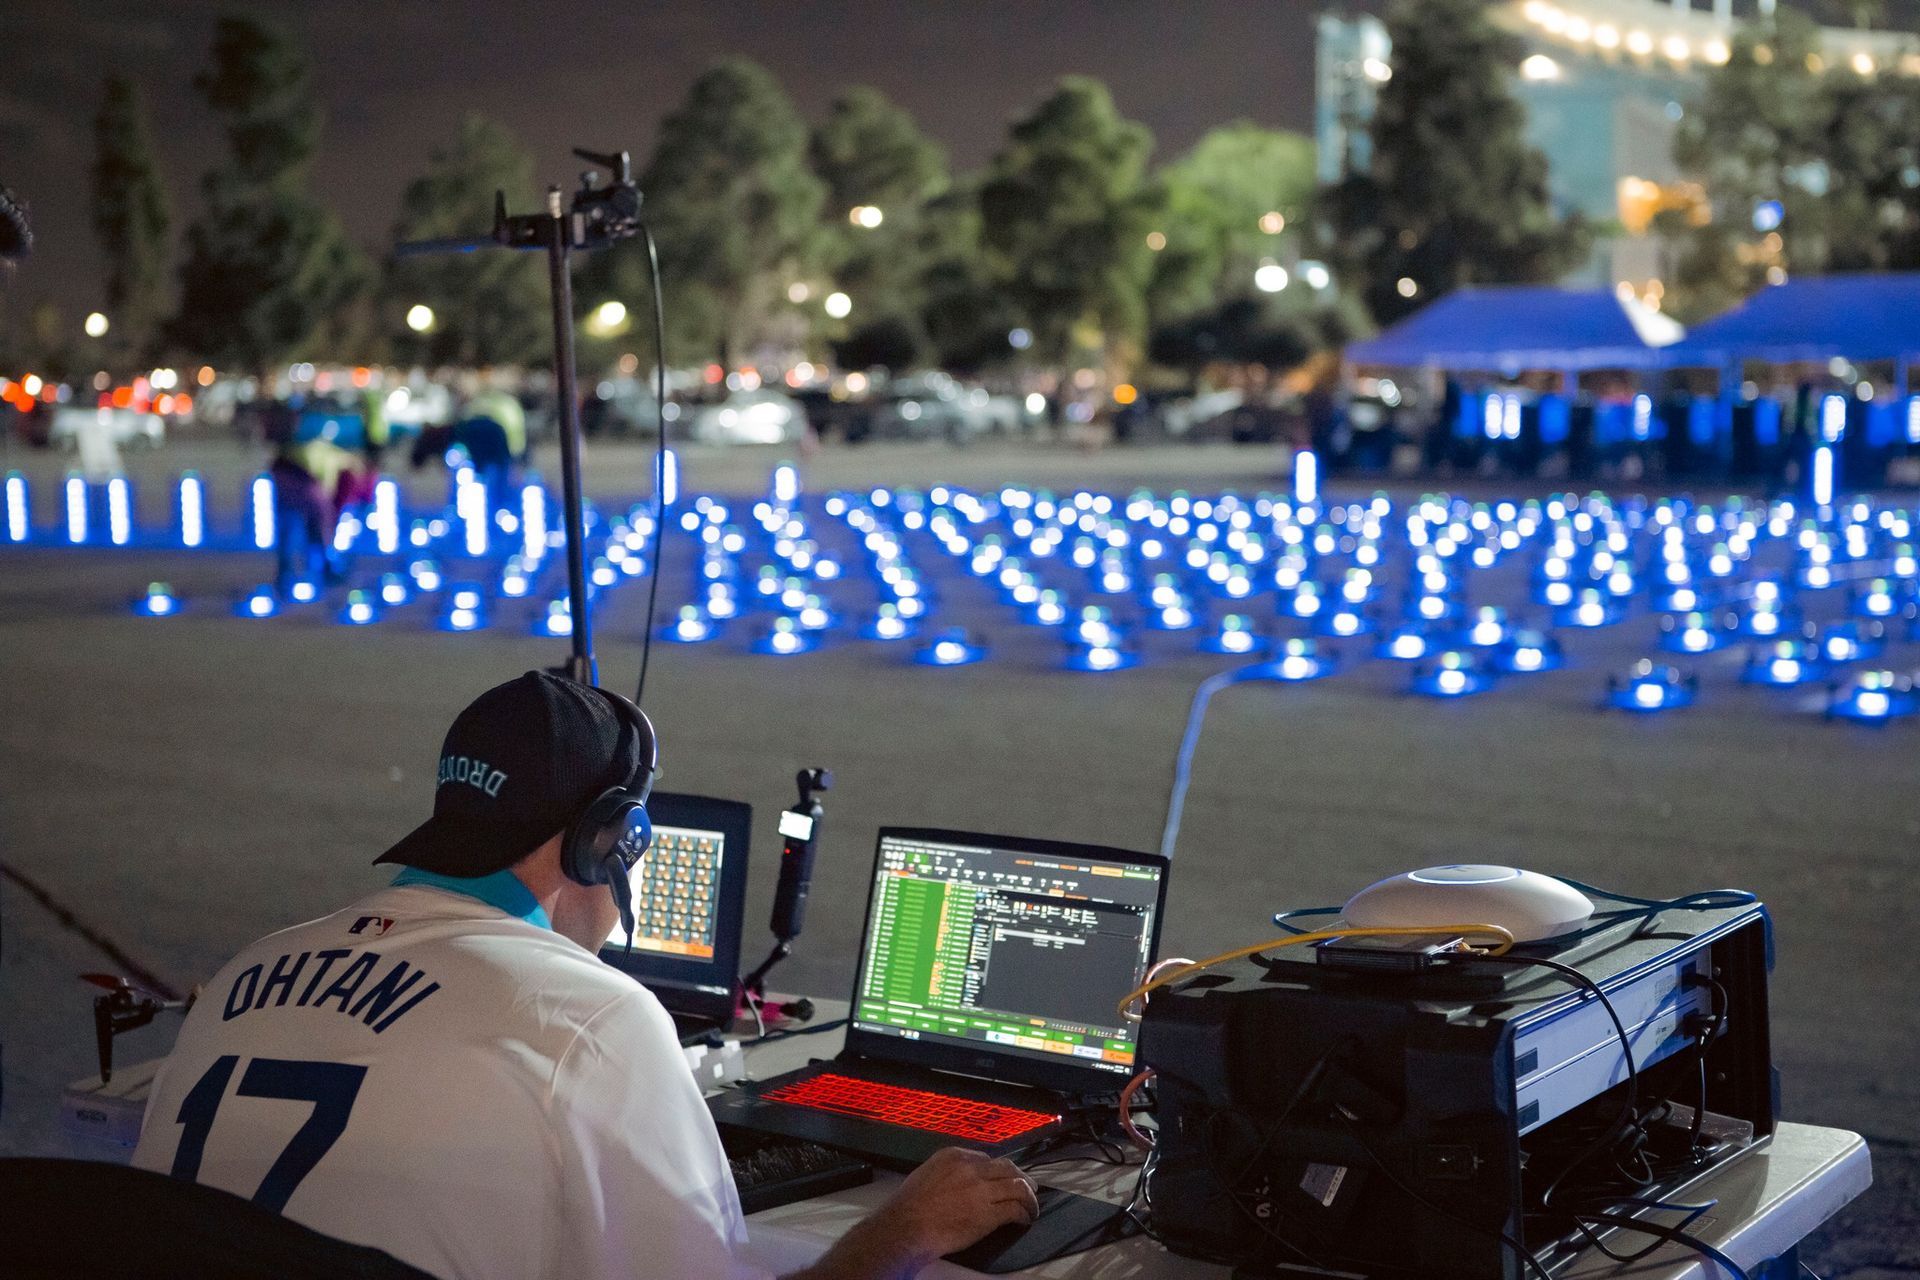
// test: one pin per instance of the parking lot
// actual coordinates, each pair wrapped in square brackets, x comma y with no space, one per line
[182,786]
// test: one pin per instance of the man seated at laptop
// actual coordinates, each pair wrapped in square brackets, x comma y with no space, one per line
[446,1071]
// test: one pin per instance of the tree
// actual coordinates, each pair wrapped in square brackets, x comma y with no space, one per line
[869,151]
[1454,195]
[269,273]
[964,313]
[870,155]
[735,209]
[1871,133]
[132,223]
[1065,212]
[488,308]
[1216,225]
[1809,169]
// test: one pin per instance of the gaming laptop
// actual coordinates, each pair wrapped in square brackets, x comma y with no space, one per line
[983,1008]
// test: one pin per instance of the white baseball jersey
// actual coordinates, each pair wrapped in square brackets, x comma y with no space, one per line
[452,1082]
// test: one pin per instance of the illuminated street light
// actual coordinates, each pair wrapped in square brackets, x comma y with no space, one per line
[607,319]
[96,325]
[1270,278]
[1406,287]
[1539,67]
[1273,222]
[1377,70]
[798,292]
[420,317]
[865,215]
[1156,240]
[839,305]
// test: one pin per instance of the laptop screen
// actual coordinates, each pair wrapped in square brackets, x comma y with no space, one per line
[688,895]
[1019,948]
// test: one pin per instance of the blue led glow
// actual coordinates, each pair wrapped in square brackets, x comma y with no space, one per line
[19,508]
[784,638]
[1874,697]
[1235,635]
[1590,609]
[1344,622]
[1527,651]
[1788,663]
[1099,658]
[1650,687]
[261,603]
[1306,477]
[158,602]
[951,648]
[1299,660]
[1404,644]
[1853,641]
[1454,674]
[77,509]
[691,626]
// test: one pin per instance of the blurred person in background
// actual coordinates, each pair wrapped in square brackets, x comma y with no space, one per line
[491,429]
[315,479]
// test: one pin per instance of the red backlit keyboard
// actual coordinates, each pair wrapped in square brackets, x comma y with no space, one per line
[910,1108]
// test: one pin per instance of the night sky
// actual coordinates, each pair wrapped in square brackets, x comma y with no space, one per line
[396,76]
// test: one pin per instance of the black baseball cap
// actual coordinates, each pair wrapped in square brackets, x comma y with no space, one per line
[519,764]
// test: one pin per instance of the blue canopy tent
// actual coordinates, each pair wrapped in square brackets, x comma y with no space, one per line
[1854,317]
[1812,320]
[1510,329]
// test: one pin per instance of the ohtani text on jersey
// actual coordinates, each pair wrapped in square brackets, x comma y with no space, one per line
[354,991]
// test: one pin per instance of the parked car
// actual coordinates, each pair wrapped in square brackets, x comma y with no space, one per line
[123,427]
[749,417]
[933,406]
[1179,417]
[619,407]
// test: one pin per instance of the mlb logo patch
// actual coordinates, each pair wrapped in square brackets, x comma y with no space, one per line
[371,926]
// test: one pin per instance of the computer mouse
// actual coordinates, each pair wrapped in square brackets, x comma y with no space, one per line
[1530,906]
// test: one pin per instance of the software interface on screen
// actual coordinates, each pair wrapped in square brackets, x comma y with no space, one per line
[1027,952]
[676,894]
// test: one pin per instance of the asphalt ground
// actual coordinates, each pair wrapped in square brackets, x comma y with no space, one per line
[183,786]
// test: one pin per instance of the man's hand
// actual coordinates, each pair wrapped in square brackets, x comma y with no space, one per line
[949,1202]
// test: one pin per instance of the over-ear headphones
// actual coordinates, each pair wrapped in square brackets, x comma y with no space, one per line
[612,833]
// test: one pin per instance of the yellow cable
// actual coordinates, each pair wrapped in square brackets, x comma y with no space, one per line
[1502,944]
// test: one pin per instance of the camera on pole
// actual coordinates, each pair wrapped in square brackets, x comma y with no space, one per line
[599,214]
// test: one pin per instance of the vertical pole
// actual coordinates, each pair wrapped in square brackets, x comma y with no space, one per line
[580,666]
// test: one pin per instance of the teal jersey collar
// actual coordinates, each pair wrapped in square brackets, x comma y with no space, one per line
[502,890]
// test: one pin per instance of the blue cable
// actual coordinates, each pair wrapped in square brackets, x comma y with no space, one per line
[1708,900]
[1183,763]
[1280,918]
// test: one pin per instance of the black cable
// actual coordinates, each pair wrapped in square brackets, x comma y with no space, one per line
[1519,1250]
[1674,1235]
[1693,1212]
[1720,1001]
[659,460]
[789,1032]
[1629,1105]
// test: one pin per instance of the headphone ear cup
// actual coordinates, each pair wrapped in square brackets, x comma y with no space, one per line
[583,854]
